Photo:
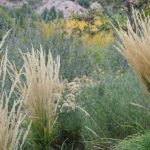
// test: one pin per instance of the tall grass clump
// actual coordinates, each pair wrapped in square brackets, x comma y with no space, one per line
[135,46]
[12,135]
[43,91]
[10,125]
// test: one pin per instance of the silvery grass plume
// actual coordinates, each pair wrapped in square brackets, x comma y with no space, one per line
[135,46]
[42,89]
[12,136]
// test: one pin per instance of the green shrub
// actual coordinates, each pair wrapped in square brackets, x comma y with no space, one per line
[84,3]
[136,142]
[112,60]
[34,3]
[22,15]
[49,15]
[5,21]
[70,129]
[75,62]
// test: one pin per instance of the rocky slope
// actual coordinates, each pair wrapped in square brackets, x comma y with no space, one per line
[66,6]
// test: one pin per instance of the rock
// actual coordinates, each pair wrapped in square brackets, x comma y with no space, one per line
[95,5]
[66,6]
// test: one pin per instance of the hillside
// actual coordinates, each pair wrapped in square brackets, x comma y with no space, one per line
[66,6]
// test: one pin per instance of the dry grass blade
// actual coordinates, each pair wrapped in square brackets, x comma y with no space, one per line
[4,39]
[135,46]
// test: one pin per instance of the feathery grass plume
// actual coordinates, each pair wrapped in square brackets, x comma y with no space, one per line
[11,120]
[135,46]
[43,91]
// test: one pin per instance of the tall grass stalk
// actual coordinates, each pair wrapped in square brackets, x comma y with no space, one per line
[43,89]
[12,136]
[135,46]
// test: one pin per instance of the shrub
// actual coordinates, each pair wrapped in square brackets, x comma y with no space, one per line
[34,3]
[74,60]
[5,21]
[22,15]
[71,117]
[71,126]
[84,3]
[135,142]
[50,15]
[112,61]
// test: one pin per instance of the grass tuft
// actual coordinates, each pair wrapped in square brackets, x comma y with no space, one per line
[135,46]
[43,90]
[12,135]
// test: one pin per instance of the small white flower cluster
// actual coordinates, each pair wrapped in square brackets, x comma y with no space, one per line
[119,74]
[71,89]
